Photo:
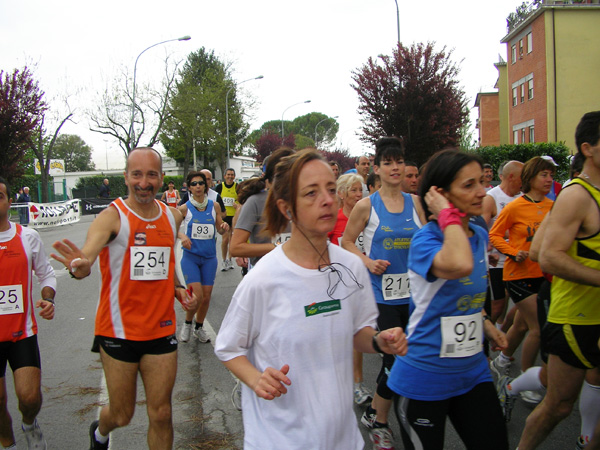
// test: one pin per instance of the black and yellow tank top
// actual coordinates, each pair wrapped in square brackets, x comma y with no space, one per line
[574,303]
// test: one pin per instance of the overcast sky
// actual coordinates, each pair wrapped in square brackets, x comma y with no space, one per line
[306,50]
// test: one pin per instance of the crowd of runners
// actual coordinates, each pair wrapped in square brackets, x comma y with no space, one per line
[435,268]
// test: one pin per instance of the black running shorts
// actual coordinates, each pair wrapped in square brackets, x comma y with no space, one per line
[22,353]
[132,351]
[576,345]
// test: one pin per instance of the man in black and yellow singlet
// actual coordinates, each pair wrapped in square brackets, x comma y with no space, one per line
[571,252]
[227,191]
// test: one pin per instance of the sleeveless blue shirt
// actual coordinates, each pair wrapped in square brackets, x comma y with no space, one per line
[200,228]
[388,236]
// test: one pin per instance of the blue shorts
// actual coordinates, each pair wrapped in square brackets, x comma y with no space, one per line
[197,269]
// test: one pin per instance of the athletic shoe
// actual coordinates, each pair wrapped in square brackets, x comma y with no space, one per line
[236,396]
[225,265]
[382,438]
[94,444]
[368,418]
[186,330]
[361,395]
[230,262]
[201,335]
[35,437]
[500,367]
[580,445]
[507,402]
[533,397]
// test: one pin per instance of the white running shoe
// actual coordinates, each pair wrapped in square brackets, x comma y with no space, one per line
[533,397]
[500,366]
[201,335]
[35,437]
[186,330]
[236,396]
[382,438]
[230,262]
[362,396]
[225,265]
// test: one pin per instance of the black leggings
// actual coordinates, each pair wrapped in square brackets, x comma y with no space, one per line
[390,316]
[476,416]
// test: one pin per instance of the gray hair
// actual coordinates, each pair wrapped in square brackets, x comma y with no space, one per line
[345,182]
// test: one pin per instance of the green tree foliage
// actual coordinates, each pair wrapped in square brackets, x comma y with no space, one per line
[197,116]
[559,152]
[414,94]
[303,128]
[21,109]
[76,153]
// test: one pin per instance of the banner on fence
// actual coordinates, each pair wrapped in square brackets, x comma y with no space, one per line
[94,205]
[45,215]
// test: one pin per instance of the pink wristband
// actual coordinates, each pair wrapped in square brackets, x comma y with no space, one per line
[449,216]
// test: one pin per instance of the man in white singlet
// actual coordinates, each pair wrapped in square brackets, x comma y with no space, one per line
[21,252]
[493,203]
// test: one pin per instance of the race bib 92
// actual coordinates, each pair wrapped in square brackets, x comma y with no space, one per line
[461,335]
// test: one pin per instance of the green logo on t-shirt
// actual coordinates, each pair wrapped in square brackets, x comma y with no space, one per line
[322,307]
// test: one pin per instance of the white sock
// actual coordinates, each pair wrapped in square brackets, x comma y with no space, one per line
[504,358]
[527,381]
[589,399]
[26,427]
[100,438]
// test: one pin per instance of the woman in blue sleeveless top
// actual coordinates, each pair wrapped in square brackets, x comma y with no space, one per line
[198,239]
[388,218]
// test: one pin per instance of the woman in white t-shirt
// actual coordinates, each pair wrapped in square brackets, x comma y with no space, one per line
[292,323]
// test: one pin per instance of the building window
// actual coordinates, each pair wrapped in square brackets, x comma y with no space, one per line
[520,48]
[523,135]
[522,92]
[514,96]
[530,91]
[513,51]
[531,134]
[529,43]
[516,137]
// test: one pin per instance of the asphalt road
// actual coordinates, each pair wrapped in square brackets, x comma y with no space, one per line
[203,416]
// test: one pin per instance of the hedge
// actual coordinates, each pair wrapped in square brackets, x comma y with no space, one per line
[87,187]
[559,152]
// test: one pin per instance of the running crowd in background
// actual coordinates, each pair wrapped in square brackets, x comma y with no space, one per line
[435,268]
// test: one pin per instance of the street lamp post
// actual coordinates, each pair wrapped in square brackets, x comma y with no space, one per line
[299,103]
[398,20]
[131,129]
[317,125]
[260,77]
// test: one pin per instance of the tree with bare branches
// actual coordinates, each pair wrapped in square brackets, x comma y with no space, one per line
[112,115]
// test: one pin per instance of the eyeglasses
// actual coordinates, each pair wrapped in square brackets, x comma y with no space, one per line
[197,183]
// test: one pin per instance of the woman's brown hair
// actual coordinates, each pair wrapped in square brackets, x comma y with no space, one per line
[285,187]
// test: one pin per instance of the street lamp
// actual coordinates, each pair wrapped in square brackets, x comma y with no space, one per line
[132,130]
[398,20]
[326,118]
[260,77]
[305,101]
